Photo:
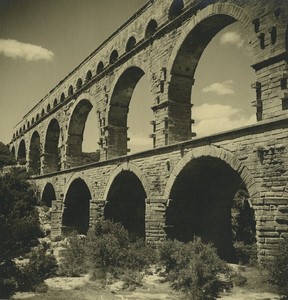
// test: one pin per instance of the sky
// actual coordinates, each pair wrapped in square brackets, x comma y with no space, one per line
[41,41]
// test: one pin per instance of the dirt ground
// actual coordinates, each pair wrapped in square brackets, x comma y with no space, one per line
[154,287]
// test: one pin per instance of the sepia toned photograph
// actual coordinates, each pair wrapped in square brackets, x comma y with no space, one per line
[144,149]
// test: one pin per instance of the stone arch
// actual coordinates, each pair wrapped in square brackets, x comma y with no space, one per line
[117,114]
[55,103]
[130,44]
[37,117]
[48,194]
[125,199]
[76,128]
[215,152]
[62,97]
[151,28]
[113,56]
[202,189]
[202,28]
[42,112]
[51,148]
[48,108]
[70,90]
[21,153]
[100,67]
[34,154]
[76,211]
[88,76]
[79,84]
[131,168]
[175,9]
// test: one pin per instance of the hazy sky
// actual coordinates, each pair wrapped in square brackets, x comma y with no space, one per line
[41,41]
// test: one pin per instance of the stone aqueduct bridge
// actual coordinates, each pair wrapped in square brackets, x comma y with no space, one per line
[184,185]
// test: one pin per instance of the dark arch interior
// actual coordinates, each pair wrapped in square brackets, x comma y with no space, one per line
[113,57]
[34,154]
[151,28]
[76,208]
[201,203]
[88,76]
[75,132]
[48,195]
[176,9]
[52,151]
[70,90]
[130,44]
[119,108]
[126,204]
[100,67]
[79,83]
[183,70]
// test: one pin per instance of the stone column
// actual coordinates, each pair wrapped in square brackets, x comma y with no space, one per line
[96,210]
[56,218]
[155,219]
[271,214]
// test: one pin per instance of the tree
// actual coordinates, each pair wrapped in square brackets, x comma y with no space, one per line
[19,226]
[6,157]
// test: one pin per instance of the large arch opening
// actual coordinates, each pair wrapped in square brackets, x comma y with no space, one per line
[48,195]
[76,208]
[83,136]
[34,154]
[203,204]
[126,204]
[212,98]
[118,120]
[52,148]
[21,154]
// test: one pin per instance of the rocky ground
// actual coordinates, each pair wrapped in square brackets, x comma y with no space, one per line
[154,287]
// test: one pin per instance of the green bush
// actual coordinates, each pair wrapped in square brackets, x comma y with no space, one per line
[278,268]
[73,261]
[194,268]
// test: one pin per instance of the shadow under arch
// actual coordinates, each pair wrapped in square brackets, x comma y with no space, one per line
[51,147]
[202,188]
[34,154]
[118,110]
[76,211]
[185,57]
[125,197]
[21,153]
[75,132]
[48,194]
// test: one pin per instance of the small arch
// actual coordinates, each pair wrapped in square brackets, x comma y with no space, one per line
[17,133]
[130,44]
[33,120]
[34,154]
[79,84]
[76,211]
[48,108]
[62,97]
[20,130]
[88,76]
[151,28]
[113,57]
[48,195]
[100,67]
[24,127]
[28,124]
[37,117]
[70,90]
[42,112]
[21,154]
[175,9]
[55,102]
[14,135]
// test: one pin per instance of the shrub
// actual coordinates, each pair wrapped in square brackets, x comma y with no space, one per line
[41,266]
[73,261]
[194,268]
[278,268]
[246,254]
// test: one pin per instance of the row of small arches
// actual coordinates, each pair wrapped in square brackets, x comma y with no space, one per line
[175,9]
